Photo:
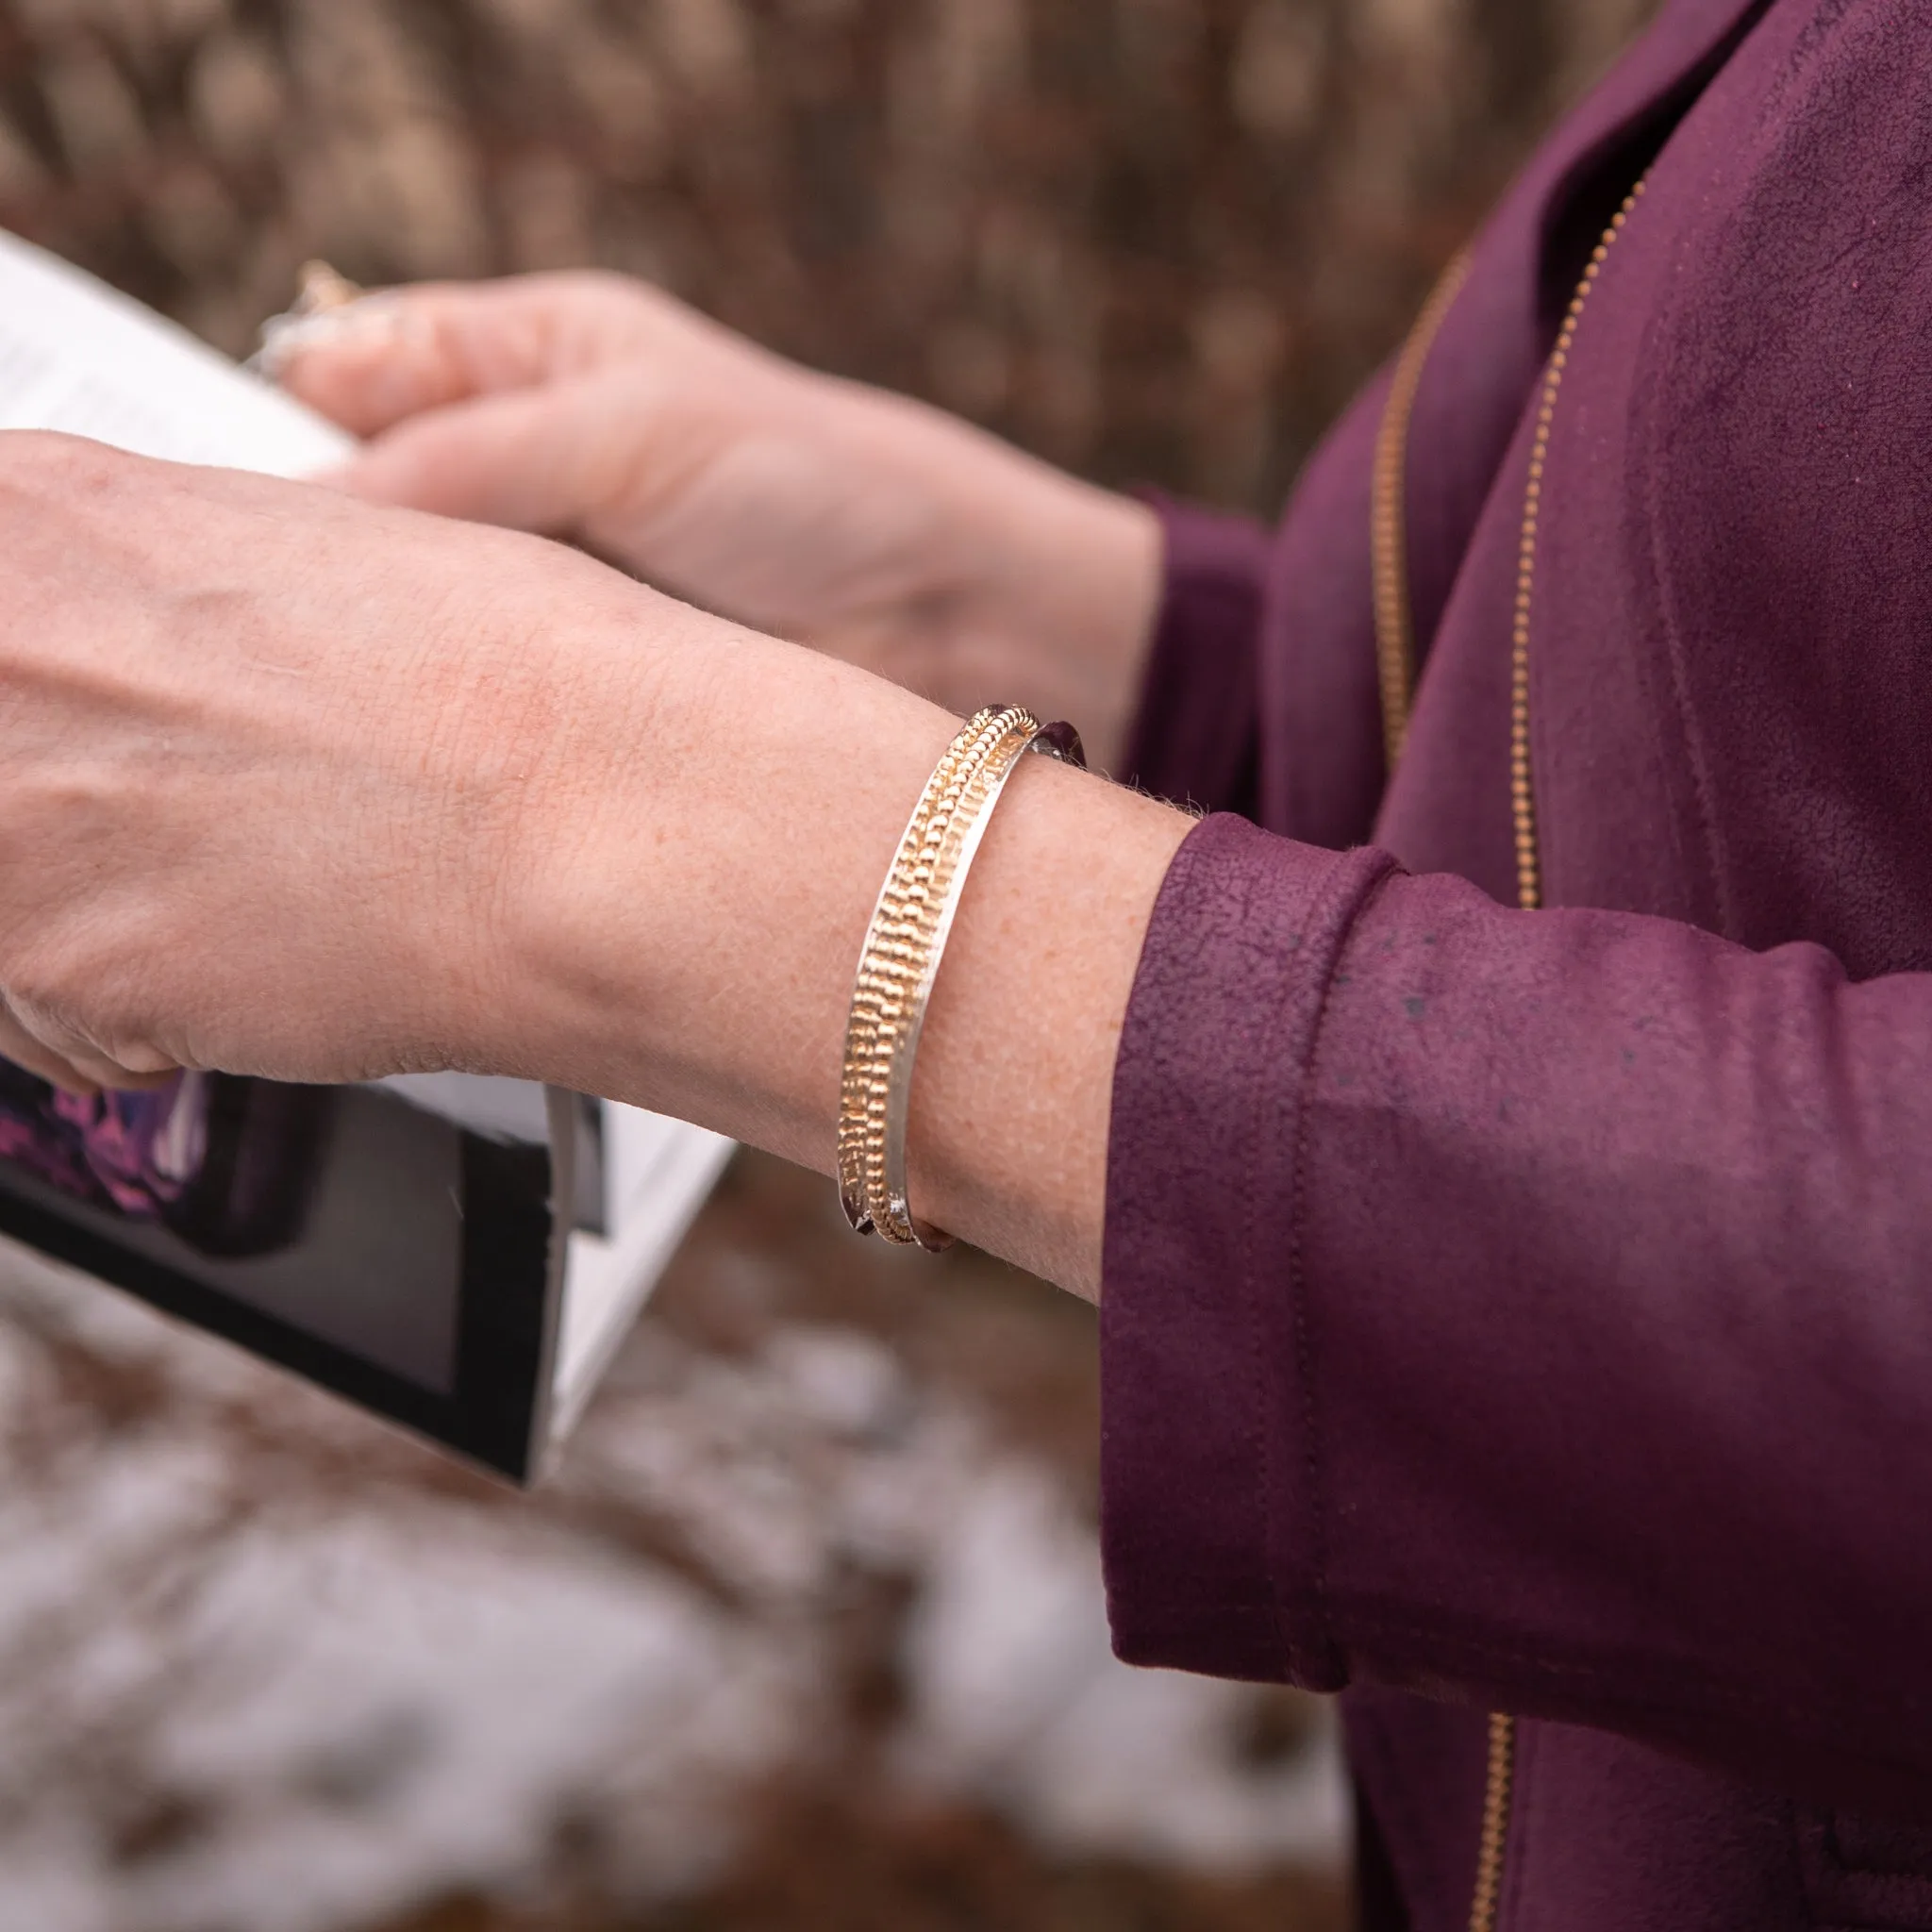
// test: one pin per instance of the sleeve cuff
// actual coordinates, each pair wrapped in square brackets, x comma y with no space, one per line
[1211,1470]
[1193,739]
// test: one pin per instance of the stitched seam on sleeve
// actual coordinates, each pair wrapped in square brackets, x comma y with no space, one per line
[1344,882]
[1268,1480]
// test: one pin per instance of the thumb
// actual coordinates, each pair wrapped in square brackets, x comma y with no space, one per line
[393,355]
[528,461]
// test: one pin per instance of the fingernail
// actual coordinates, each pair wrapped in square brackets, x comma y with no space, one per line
[369,317]
[322,286]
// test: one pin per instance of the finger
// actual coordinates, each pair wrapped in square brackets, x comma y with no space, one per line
[18,1045]
[394,355]
[526,461]
[58,1052]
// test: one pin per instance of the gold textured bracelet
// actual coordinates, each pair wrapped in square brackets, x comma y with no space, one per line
[900,960]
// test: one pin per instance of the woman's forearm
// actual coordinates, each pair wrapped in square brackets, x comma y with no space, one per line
[382,793]
[719,990]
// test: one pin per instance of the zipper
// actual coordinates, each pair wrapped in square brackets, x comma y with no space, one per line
[1499,1789]
[1530,889]
[1396,666]
[1387,520]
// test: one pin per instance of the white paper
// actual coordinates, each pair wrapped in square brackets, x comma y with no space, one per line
[656,1173]
[77,355]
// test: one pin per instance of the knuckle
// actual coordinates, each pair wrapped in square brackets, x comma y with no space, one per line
[35,986]
[59,484]
[68,988]
[613,305]
[592,284]
[30,459]
[69,462]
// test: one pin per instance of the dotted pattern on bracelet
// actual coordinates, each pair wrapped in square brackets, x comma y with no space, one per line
[903,932]
[904,905]
[898,945]
[980,789]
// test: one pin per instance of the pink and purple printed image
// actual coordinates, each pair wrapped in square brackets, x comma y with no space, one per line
[136,1152]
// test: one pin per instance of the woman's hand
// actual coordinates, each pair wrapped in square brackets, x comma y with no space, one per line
[296,784]
[272,762]
[595,408]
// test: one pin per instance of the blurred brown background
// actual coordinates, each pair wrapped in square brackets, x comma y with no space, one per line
[1151,238]
[806,1632]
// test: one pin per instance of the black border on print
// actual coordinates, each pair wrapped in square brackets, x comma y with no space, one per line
[490,1415]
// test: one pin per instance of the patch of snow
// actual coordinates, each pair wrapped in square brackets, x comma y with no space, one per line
[1020,1700]
[350,1695]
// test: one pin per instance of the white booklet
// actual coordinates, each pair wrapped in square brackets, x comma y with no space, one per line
[461,1254]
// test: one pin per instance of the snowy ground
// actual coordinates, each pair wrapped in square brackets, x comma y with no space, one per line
[266,1668]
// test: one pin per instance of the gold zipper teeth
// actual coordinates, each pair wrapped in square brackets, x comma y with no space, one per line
[1498,1789]
[1529,891]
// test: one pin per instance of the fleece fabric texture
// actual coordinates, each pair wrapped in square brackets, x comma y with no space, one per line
[1533,1310]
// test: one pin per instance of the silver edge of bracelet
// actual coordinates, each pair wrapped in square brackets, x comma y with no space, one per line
[1060,742]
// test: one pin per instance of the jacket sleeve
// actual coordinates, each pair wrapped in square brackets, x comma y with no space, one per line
[1193,738]
[1260,694]
[1533,1309]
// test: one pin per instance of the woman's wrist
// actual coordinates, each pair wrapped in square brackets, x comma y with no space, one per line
[1065,585]
[695,890]
[1012,1096]
[1012,579]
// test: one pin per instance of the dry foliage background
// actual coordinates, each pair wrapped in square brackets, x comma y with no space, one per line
[1153,239]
